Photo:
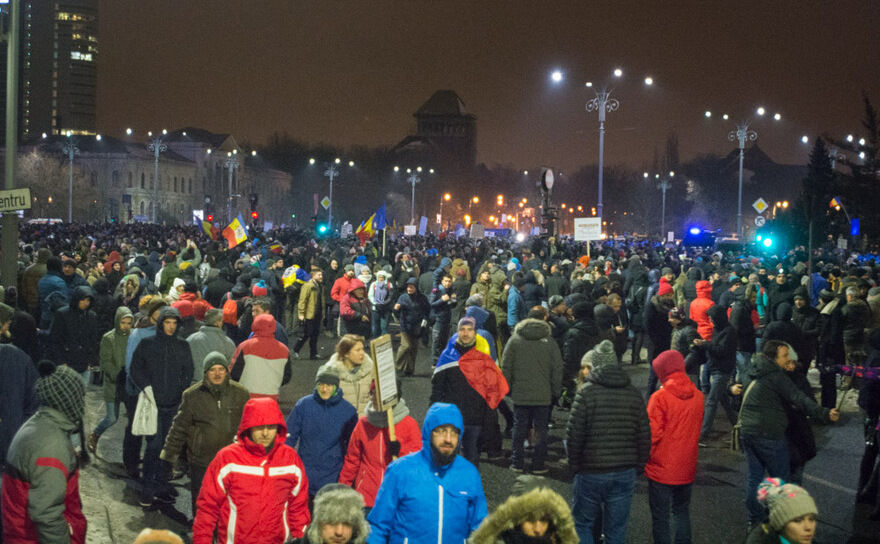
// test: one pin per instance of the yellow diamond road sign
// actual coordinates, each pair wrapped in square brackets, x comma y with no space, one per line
[760,205]
[325,202]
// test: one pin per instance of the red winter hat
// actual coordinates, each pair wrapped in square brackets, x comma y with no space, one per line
[665,288]
[259,289]
[668,362]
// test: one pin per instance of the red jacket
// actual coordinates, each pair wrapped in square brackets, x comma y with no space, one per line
[340,288]
[698,308]
[261,363]
[368,454]
[676,414]
[251,496]
[42,459]
[200,305]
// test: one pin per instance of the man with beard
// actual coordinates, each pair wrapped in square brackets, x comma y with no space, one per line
[432,495]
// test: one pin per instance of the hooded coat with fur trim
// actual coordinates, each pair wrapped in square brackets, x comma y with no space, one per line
[250,494]
[536,504]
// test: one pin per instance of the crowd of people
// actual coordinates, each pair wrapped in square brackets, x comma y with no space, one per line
[196,339]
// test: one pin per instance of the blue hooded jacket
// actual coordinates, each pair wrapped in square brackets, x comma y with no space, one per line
[322,428]
[420,502]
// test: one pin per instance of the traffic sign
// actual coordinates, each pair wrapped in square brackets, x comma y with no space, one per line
[325,202]
[760,205]
[760,221]
[15,199]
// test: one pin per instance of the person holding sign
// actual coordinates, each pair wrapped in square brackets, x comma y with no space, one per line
[371,450]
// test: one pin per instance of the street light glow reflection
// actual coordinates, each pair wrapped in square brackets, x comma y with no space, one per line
[556,76]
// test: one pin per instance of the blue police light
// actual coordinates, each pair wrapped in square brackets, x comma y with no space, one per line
[767,242]
[694,230]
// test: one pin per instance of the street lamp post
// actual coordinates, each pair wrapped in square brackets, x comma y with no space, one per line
[741,135]
[231,164]
[156,146]
[331,172]
[70,150]
[446,197]
[664,184]
[602,104]
[413,179]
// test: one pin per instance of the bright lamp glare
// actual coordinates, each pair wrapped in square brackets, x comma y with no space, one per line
[767,242]
[861,141]
[777,116]
[761,111]
[805,139]
[618,72]
[708,113]
[588,84]
[128,131]
[520,237]
[311,161]
[849,137]
[725,117]
[694,230]
[649,80]
[556,76]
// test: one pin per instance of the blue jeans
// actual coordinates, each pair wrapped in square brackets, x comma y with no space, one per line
[153,466]
[380,323]
[524,418]
[109,418]
[664,499]
[763,455]
[715,391]
[592,492]
[743,358]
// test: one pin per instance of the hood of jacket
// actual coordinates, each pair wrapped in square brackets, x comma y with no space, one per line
[540,502]
[445,261]
[609,376]
[167,312]
[121,313]
[380,419]
[262,411]
[101,286]
[532,329]
[783,312]
[680,385]
[355,284]
[762,366]
[704,289]
[718,315]
[264,326]
[479,314]
[695,274]
[80,293]
[440,413]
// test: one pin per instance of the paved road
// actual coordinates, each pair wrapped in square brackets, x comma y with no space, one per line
[717,509]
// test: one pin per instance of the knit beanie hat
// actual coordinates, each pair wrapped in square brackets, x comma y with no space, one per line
[474,300]
[555,301]
[665,270]
[785,501]
[215,358]
[664,288]
[666,363]
[327,376]
[338,503]
[349,268]
[213,315]
[60,387]
[259,289]
[602,355]
[467,321]
[582,310]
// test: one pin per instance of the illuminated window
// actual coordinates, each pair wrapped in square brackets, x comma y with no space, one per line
[62,16]
[78,55]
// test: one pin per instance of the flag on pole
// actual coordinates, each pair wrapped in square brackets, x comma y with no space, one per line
[379,219]
[210,230]
[835,203]
[236,232]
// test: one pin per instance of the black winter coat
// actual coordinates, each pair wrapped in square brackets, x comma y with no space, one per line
[74,336]
[656,317]
[783,329]
[164,362]
[608,428]
[580,338]
[413,309]
[806,319]
[721,350]
[532,293]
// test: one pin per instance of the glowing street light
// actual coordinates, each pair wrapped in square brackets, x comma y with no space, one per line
[777,116]
[649,81]
[761,111]
[128,131]
[311,161]
[708,114]
[619,73]
[805,139]
[556,76]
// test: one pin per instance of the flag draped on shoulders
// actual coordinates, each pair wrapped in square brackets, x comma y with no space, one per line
[294,274]
[479,369]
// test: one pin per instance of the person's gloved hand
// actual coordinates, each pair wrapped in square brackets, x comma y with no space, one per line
[394,448]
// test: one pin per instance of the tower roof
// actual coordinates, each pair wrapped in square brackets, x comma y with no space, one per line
[443,102]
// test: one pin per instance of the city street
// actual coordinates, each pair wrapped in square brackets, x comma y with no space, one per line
[717,510]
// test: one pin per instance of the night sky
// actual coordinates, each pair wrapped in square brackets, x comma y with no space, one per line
[352,73]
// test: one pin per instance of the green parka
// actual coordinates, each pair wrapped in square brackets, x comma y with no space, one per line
[112,353]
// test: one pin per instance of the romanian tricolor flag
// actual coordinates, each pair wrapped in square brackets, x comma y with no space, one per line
[236,232]
[294,274]
[835,203]
[365,231]
[210,230]
[478,367]
[276,248]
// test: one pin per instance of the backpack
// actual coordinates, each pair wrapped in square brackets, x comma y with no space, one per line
[230,311]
